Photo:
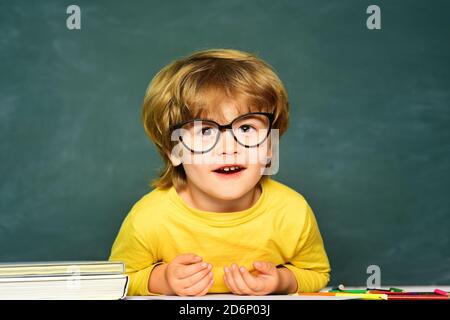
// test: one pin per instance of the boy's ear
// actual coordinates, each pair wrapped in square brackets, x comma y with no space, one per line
[269,148]
[176,161]
[269,157]
[269,152]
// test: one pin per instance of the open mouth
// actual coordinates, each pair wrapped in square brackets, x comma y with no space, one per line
[229,169]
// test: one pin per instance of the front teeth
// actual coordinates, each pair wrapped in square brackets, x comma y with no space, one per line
[230,168]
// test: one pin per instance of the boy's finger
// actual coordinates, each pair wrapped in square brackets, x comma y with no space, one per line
[199,284]
[187,258]
[264,267]
[190,270]
[230,281]
[250,280]
[206,289]
[239,281]
[196,277]
[225,279]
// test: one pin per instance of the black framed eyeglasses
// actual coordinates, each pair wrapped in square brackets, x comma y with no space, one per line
[201,135]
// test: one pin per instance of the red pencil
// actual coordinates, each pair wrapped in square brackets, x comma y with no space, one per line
[417,297]
[402,293]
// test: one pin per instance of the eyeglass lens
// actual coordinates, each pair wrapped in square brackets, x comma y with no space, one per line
[249,130]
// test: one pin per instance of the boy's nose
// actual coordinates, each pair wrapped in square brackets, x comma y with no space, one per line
[227,144]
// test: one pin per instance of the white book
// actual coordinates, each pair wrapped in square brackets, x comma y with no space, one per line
[69,287]
[60,268]
[63,280]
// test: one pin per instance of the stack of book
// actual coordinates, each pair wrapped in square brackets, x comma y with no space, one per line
[102,280]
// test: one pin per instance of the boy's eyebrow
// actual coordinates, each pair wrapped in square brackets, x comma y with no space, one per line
[205,113]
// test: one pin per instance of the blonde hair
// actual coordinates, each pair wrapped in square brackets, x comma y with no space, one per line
[174,95]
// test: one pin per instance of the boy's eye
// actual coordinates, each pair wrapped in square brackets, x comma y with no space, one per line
[207,131]
[246,128]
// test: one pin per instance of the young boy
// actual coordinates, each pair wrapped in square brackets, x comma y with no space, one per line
[214,222]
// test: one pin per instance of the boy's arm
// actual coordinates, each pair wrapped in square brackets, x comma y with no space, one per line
[287,283]
[139,254]
[157,283]
[310,265]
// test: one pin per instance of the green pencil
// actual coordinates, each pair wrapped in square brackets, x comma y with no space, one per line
[348,291]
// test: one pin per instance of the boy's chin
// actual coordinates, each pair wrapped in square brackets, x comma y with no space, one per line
[229,194]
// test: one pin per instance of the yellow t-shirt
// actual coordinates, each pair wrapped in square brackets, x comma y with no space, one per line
[279,228]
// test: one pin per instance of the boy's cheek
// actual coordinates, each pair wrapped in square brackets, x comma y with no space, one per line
[253,171]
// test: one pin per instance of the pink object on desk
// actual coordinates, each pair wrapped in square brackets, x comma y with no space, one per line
[441,292]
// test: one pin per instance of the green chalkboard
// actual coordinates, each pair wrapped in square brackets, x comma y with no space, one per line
[368,143]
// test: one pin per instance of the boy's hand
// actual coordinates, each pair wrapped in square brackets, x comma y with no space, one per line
[187,275]
[264,280]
